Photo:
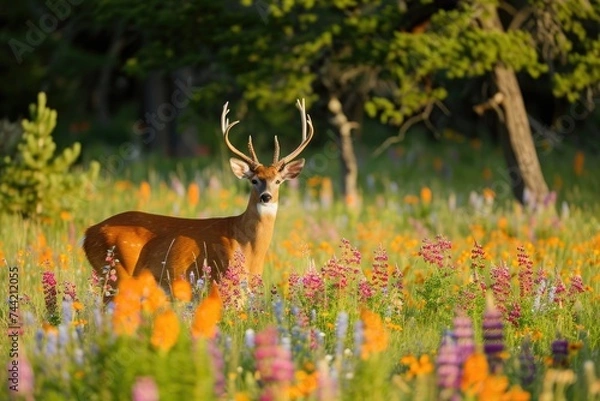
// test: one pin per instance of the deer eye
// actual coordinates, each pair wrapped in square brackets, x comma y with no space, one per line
[254,181]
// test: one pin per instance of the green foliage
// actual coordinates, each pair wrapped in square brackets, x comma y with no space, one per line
[36,183]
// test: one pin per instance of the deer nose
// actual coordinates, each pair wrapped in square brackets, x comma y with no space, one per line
[266,197]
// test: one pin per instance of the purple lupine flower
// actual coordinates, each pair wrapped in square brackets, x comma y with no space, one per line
[449,366]
[341,327]
[525,272]
[67,310]
[501,286]
[144,389]
[249,338]
[359,337]
[493,336]
[218,366]
[49,287]
[527,364]
[560,353]
[464,336]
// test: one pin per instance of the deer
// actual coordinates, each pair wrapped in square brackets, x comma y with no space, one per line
[173,247]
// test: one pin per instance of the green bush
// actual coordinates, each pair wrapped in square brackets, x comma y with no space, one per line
[33,181]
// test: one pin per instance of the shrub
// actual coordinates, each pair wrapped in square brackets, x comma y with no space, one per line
[33,181]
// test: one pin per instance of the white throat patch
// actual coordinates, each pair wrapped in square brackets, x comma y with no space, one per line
[267,209]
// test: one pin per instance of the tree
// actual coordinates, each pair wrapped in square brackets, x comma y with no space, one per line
[474,41]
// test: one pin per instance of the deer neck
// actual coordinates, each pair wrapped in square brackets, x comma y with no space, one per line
[256,227]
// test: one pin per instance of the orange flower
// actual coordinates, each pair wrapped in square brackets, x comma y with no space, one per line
[166,330]
[516,393]
[475,371]
[418,367]
[411,199]
[182,290]
[494,388]
[152,296]
[193,194]
[127,314]
[426,196]
[578,163]
[208,313]
[144,192]
[375,335]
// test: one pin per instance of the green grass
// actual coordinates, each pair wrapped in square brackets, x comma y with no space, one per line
[308,232]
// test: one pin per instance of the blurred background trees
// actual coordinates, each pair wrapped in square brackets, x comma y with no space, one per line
[150,77]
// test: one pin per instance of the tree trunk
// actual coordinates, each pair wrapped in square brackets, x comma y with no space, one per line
[347,154]
[526,173]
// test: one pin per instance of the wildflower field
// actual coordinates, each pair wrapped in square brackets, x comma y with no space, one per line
[436,287]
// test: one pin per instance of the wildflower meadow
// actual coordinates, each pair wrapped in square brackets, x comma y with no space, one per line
[433,287]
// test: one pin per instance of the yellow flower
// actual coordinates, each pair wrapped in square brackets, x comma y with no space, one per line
[166,330]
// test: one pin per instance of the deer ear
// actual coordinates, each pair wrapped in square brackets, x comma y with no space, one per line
[240,168]
[292,169]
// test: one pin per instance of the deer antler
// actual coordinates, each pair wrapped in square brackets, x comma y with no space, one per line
[225,127]
[306,123]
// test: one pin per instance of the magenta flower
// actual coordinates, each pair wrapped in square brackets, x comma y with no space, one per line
[314,285]
[525,273]
[273,361]
[501,286]
[381,274]
[576,286]
[49,287]
[436,252]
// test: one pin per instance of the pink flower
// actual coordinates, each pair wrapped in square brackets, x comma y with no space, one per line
[525,273]
[273,363]
[501,285]
[436,252]
[49,287]
[381,274]
[144,389]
